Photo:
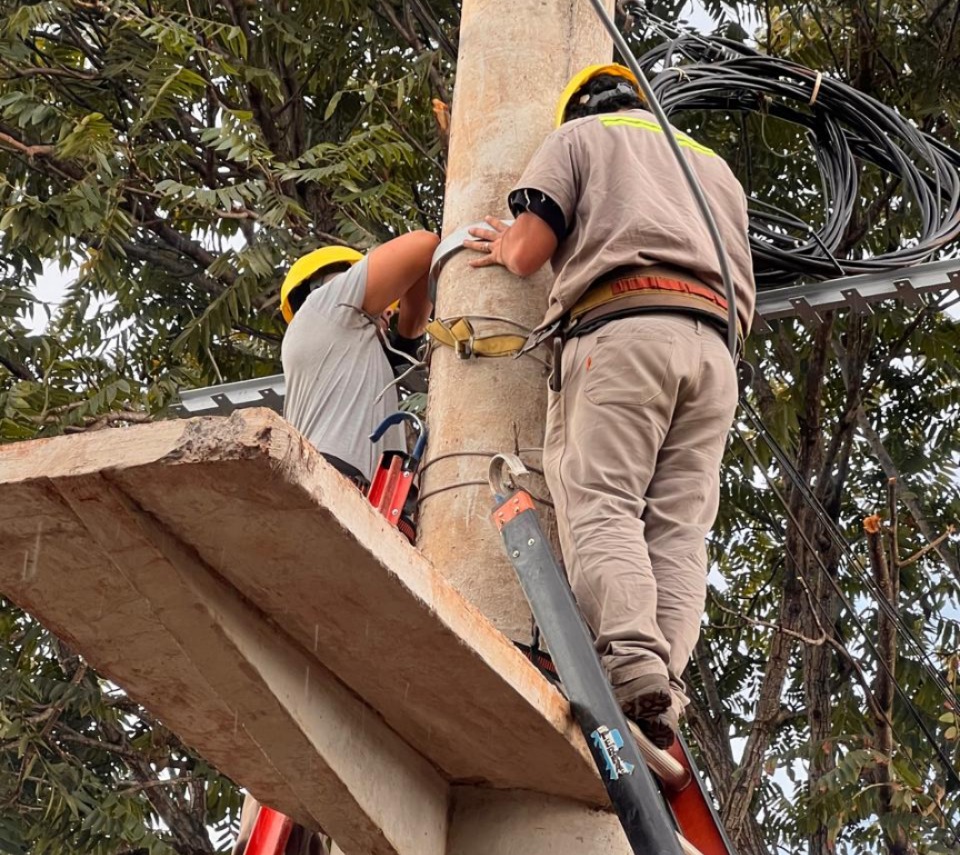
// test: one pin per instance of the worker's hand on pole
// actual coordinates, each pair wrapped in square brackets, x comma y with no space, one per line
[489,243]
[522,248]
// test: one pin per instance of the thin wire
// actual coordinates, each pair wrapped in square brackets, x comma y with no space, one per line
[833,530]
[487,454]
[430,494]
[843,597]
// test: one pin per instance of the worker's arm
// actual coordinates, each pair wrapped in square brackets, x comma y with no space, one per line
[398,270]
[522,248]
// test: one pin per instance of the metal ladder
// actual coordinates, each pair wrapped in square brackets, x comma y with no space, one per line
[675,818]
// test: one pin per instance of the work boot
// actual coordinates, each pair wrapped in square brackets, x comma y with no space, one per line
[646,700]
[661,729]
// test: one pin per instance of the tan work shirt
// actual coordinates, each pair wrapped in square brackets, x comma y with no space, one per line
[626,204]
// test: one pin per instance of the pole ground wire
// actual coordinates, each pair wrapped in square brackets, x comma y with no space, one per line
[847,130]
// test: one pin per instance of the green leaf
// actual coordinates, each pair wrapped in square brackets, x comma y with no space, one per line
[332,105]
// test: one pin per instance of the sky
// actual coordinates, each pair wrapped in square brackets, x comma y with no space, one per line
[50,288]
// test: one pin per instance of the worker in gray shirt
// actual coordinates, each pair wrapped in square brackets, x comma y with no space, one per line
[339,380]
[337,372]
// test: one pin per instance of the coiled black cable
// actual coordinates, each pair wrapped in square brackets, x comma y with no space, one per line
[847,130]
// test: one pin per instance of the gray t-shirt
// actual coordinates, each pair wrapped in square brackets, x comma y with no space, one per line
[335,368]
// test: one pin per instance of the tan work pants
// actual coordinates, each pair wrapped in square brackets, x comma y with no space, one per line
[632,457]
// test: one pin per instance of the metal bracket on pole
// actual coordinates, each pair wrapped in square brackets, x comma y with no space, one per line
[806,301]
[857,293]
[223,399]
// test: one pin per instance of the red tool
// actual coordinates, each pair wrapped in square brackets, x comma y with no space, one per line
[270,834]
[393,480]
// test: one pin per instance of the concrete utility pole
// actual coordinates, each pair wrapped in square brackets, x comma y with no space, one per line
[515,58]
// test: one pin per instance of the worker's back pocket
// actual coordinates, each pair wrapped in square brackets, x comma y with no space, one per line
[628,370]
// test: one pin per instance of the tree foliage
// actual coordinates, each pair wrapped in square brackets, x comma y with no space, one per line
[827,754]
[178,154]
[84,769]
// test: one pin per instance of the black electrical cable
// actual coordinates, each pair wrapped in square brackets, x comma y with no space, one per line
[840,541]
[728,73]
[811,548]
[847,130]
[725,71]
[825,619]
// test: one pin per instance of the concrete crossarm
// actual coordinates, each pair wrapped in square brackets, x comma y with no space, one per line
[246,594]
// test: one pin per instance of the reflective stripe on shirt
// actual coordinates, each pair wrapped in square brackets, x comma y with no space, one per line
[682,138]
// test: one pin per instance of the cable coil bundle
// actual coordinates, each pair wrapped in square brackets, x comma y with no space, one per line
[847,130]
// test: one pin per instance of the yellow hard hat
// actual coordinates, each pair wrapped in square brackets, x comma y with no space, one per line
[585,76]
[305,268]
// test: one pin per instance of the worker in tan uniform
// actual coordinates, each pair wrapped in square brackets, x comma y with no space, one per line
[648,389]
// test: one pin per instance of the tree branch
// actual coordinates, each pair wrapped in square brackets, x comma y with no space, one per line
[37,71]
[891,471]
[747,777]
[29,150]
[884,574]
[111,419]
[17,369]
[906,562]
[140,786]
[414,41]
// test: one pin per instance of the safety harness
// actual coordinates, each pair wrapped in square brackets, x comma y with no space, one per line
[458,333]
[624,293]
[634,294]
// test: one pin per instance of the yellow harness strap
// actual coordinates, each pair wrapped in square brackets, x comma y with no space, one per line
[459,334]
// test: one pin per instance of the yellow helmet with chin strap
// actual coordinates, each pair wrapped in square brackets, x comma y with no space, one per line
[581,78]
[305,268]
